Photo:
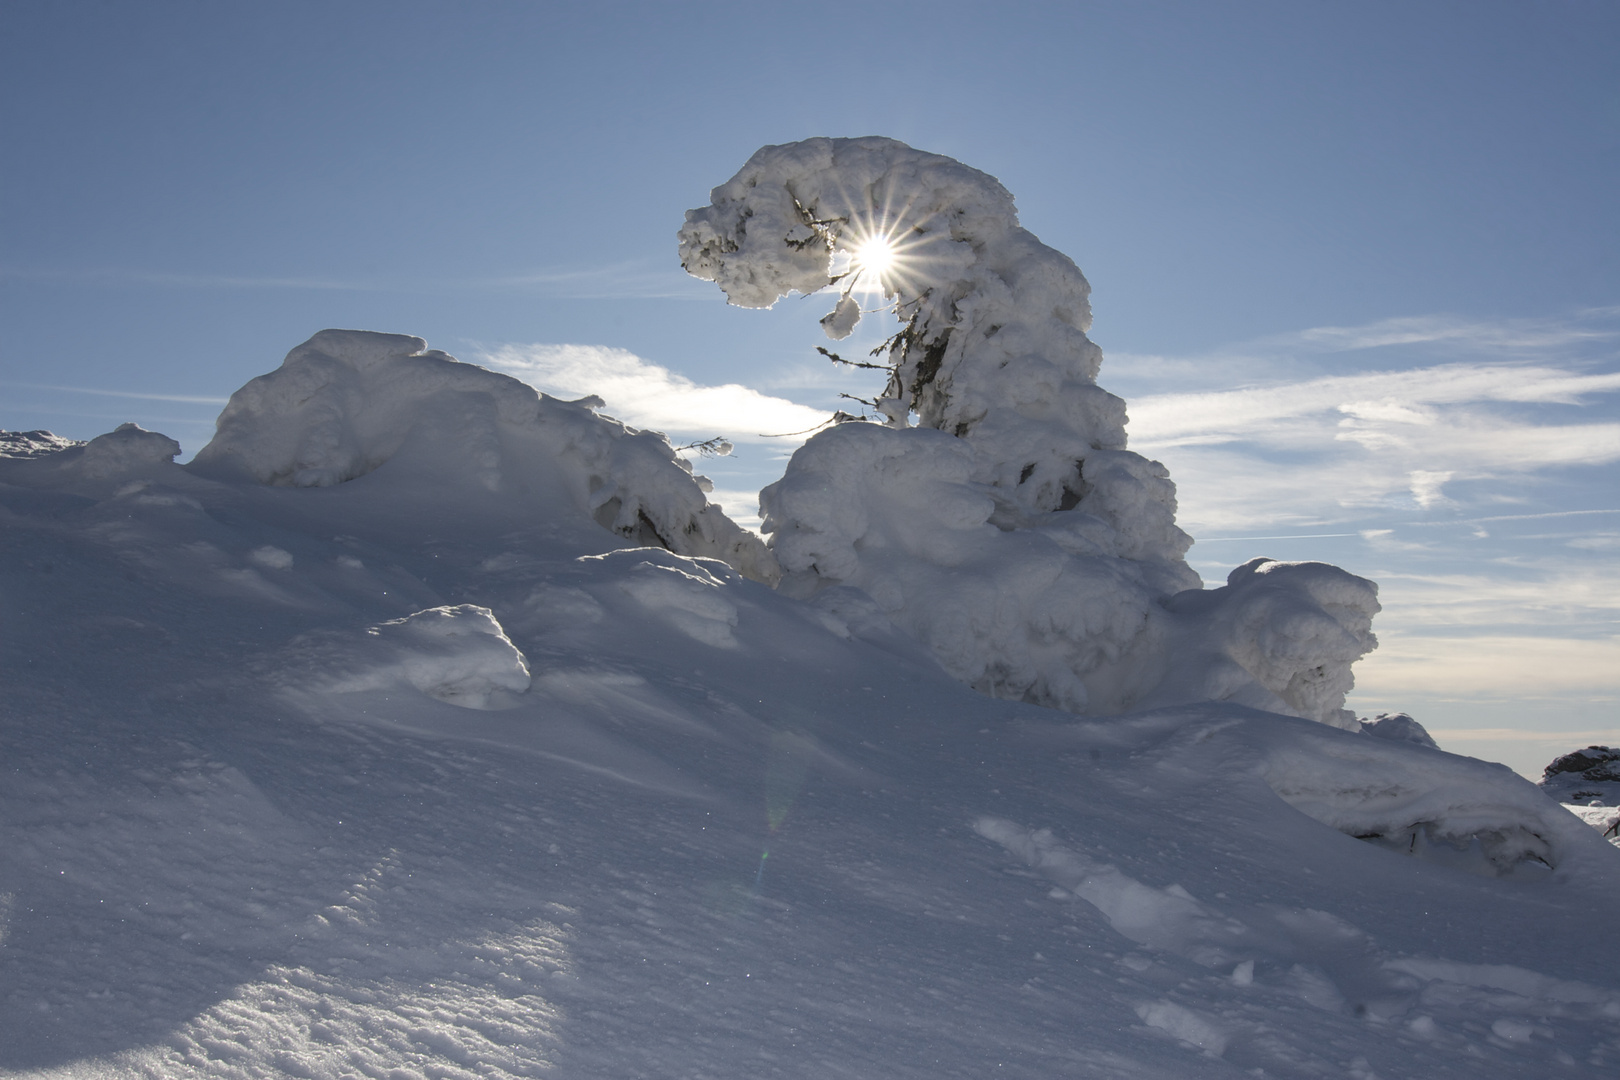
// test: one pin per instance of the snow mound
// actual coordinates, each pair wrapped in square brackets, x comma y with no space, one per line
[1051,613]
[1584,775]
[689,598]
[459,655]
[1400,727]
[1010,529]
[127,453]
[1279,636]
[347,403]
[1468,814]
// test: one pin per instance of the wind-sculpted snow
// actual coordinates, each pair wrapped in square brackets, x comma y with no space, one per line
[347,402]
[458,654]
[1010,529]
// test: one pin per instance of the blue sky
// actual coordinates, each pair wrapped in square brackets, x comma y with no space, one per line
[1354,265]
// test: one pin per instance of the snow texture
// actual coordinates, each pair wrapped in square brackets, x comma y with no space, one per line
[250,828]
[1009,529]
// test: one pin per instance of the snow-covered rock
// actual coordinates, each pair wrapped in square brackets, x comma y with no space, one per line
[347,403]
[1584,775]
[30,444]
[1010,529]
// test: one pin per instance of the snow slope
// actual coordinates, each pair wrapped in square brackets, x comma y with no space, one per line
[427,774]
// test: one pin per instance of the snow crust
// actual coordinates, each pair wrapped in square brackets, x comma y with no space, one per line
[1009,528]
[347,402]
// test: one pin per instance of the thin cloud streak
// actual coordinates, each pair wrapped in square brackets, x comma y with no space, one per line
[1514,517]
[1504,335]
[187,398]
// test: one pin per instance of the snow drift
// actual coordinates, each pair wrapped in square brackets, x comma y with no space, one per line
[1009,529]
[347,402]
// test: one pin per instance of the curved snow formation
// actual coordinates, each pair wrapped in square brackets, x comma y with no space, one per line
[459,654]
[347,402]
[1007,526]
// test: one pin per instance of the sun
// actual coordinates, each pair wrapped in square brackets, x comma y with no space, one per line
[873,258]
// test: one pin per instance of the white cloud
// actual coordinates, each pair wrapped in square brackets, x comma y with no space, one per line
[645,395]
[1274,413]
[1516,735]
[1561,597]
[1268,458]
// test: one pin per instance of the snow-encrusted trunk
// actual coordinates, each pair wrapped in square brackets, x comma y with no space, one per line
[997,513]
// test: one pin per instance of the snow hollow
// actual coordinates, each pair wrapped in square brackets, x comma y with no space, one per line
[428,726]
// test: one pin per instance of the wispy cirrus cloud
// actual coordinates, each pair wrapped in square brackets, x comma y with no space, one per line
[1291,452]
[647,395]
[1475,335]
[1410,397]
[190,399]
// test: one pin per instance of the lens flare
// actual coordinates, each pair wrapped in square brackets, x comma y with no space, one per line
[874,257]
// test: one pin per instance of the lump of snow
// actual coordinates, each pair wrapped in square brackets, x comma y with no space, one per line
[689,598]
[347,403]
[1468,814]
[128,452]
[459,655]
[1293,628]
[1400,727]
[271,557]
[1009,529]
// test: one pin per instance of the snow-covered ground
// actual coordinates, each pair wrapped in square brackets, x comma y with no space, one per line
[439,772]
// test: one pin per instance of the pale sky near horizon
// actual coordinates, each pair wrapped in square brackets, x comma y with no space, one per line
[1354,265]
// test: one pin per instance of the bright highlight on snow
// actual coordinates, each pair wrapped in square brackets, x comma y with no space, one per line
[429,725]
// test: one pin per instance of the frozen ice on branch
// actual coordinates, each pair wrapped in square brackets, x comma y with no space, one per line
[996,514]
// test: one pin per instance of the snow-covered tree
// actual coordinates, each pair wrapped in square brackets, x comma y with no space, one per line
[997,513]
